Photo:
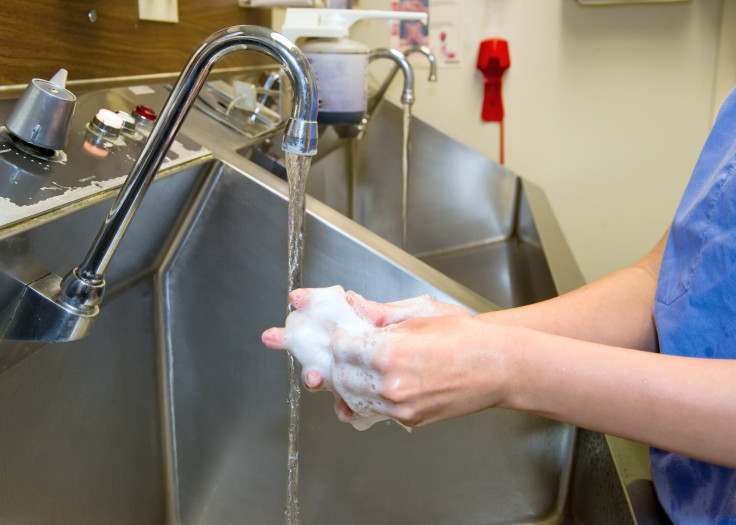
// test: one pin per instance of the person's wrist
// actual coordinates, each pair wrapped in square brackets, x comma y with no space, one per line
[513,367]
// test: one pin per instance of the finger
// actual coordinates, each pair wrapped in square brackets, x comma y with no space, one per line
[384,314]
[302,297]
[299,298]
[365,309]
[343,412]
[313,380]
[419,306]
[274,338]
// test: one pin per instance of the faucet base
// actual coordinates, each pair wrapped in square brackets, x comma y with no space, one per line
[36,314]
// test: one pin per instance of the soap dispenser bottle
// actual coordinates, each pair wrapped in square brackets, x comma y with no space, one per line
[340,64]
[340,68]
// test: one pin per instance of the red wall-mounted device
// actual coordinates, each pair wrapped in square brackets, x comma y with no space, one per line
[493,60]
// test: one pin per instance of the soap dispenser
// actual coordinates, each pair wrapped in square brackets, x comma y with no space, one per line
[340,64]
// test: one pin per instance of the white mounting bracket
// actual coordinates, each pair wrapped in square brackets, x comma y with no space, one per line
[335,23]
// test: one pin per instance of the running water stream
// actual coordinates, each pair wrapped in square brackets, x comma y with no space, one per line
[297,169]
[405,177]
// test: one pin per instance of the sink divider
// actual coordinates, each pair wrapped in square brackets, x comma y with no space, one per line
[165,351]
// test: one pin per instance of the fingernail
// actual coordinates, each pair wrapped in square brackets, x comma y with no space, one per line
[313,379]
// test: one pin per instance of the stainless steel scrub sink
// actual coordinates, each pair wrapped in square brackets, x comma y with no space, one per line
[172,411]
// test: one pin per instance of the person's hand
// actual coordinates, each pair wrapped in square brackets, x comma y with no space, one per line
[427,369]
[378,314]
[413,369]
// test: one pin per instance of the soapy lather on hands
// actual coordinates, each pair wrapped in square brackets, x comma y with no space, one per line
[588,358]
[344,343]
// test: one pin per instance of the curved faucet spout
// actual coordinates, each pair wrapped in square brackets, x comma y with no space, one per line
[401,64]
[407,96]
[82,288]
[424,50]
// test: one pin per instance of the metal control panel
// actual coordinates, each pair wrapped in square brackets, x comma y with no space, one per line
[103,145]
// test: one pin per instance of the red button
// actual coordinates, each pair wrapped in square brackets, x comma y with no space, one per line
[145,112]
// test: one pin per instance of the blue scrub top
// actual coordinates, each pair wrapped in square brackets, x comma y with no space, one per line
[695,314]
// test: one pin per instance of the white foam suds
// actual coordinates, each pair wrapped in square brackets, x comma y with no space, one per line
[309,335]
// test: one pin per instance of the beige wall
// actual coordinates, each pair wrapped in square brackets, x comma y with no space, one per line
[606,108]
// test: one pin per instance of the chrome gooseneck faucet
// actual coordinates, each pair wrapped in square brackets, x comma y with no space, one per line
[403,64]
[54,309]
[424,50]
[407,96]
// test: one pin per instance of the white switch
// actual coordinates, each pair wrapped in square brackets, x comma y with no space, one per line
[159,10]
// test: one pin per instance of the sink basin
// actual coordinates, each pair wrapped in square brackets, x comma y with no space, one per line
[468,216]
[172,411]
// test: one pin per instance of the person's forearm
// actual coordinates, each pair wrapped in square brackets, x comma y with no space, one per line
[680,404]
[615,310]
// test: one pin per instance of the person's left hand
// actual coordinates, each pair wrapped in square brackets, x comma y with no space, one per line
[384,314]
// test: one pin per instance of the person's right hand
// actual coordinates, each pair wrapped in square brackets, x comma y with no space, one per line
[424,369]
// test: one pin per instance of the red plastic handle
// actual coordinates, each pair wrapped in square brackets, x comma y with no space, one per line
[493,60]
[492,110]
